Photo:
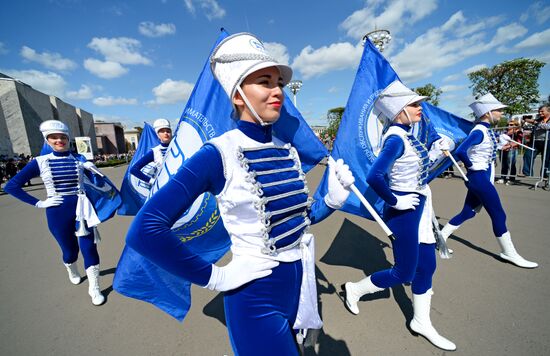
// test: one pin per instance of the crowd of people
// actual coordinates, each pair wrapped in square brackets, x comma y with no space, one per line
[10,166]
[269,285]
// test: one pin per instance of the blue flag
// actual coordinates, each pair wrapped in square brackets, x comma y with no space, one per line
[207,114]
[359,136]
[449,126]
[134,191]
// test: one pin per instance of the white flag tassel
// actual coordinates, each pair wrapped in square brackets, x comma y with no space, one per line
[97,236]
[85,215]
[441,244]
[455,163]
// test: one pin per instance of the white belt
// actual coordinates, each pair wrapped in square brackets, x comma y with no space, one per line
[308,312]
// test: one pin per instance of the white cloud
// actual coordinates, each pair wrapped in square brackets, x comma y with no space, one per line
[507,33]
[538,39]
[124,121]
[474,68]
[278,51]
[85,92]
[151,29]
[449,88]
[393,16]
[123,50]
[447,46]
[538,11]
[3,49]
[333,90]
[314,62]
[111,101]
[545,57]
[106,70]
[49,83]
[171,92]
[48,59]
[452,77]
[211,8]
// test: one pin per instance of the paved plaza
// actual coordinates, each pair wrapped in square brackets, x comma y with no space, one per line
[486,306]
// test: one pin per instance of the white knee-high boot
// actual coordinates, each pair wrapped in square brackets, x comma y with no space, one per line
[74,275]
[422,324]
[448,230]
[354,291]
[93,289]
[509,252]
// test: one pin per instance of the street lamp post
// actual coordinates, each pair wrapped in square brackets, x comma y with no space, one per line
[294,86]
[380,38]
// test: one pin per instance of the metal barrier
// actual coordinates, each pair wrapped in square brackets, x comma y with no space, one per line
[537,138]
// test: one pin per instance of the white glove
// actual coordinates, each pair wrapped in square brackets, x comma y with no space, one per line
[340,179]
[504,139]
[442,145]
[406,202]
[92,168]
[151,181]
[52,201]
[241,270]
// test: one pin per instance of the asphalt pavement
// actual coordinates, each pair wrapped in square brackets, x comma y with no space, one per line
[484,304]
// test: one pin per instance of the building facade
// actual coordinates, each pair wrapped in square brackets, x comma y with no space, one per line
[23,109]
[132,139]
[110,138]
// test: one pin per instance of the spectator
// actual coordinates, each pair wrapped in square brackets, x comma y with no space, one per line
[509,153]
[539,142]
[11,168]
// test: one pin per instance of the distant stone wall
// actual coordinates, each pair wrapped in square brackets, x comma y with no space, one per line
[23,109]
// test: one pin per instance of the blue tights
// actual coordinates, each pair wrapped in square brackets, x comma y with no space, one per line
[481,192]
[414,262]
[261,313]
[62,225]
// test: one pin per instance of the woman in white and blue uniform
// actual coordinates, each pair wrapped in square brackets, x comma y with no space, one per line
[478,153]
[62,173]
[399,175]
[263,199]
[156,154]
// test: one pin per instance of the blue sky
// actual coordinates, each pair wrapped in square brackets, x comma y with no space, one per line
[135,61]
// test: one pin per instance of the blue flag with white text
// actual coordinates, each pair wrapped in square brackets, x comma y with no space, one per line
[207,114]
[359,136]
[134,191]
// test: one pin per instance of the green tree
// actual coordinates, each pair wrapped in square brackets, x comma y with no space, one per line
[431,92]
[515,83]
[334,116]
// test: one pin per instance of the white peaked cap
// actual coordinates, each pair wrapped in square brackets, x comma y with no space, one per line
[239,55]
[486,103]
[49,127]
[393,99]
[161,124]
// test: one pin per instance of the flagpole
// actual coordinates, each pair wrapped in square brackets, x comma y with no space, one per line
[373,212]
[455,163]
[521,144]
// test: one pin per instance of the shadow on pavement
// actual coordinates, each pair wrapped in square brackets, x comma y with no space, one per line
[215,309]
[356,248]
